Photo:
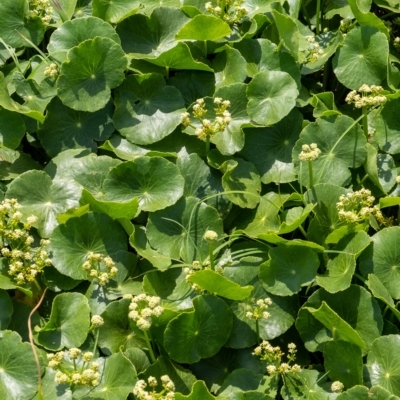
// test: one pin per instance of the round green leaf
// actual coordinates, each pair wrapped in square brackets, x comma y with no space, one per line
[118,378]
[218,285]
[6,308]
[154,180]
[146,109]
[178,230]
[93,68]
[384,259]
[40,196]
[18,371]
[199,392]
[342,145]
[363,58]
[12,129]
[115,10]
[72,33]
[73,241]
[204,27]
[87,170]
[198,334]
[344,362]
[68,324]
[271,94]
[355,306]
[288,270]
[229,67]
[383,363]
[387,128]
[270,149]
[365,393]
[117,331]
[261,55]
[149,37]
[79,129]
[14,18]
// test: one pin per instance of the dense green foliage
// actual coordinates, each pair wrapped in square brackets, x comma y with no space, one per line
[199,199]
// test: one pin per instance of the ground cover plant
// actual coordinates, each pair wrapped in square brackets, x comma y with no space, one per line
[199,199]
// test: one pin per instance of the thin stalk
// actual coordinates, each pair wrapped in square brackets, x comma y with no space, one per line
[300,178]
[364,178]
[207,145]
[305,14]
[152,356]
[223,5]
[365,121]
[325,78]
[37,285]
[385,310]
[301,229]
[96,341]
[39,372]
[205,48]
[167,70]
[317,27]
[258,332]
[310,174]
[279,45]
[211,256]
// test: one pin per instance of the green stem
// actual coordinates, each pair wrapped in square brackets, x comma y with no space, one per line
[37,286]
[363,179]
[305,13]
[258,332]
[207,145]
[205,48]
[96,341]
[211,255]
[303,231]
[152,356]
[325,78]
[167,70]
[385,311]
[317,27]
[365,121]
[279,45]
[310,174]
[223,5]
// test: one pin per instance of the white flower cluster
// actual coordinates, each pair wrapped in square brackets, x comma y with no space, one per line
[314,50]
[358,206]
[337,387]
[346,25]
[196,266]
[86,374]
[210,236]
[209,128]
[25,262]
[51,71]
[257,310]
[147,390]
[309,152]
[143,308]
[97,321]
[234,11]
[100,267]
[366,96]
[42,9]
[273,356]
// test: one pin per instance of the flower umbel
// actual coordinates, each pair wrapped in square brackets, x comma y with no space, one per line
[25,262]
[151,389]
[309,152]
[84,371]
[230,11]
[41,9]
[100,267]
[273,356]
[258,310]
[358,206]
[143,308]
[208,128]
[366,96]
